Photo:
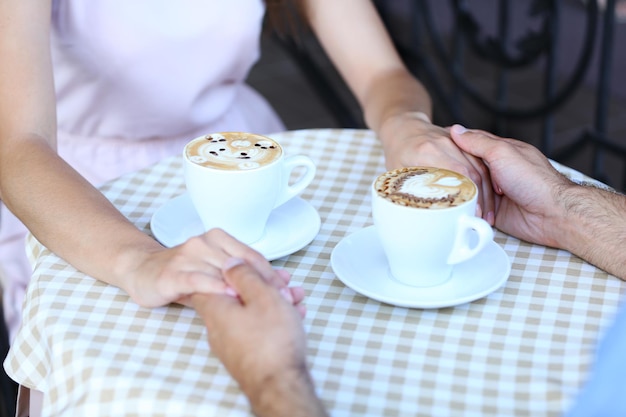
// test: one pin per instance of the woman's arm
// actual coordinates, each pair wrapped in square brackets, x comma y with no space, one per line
[395,104]
[61,208]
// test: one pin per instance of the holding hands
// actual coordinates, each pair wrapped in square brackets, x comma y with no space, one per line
[410,139]
[526,185]
[260,340]
[259,336]
[538,204]
[162,276]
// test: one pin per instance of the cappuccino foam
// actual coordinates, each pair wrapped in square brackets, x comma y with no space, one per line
[425,187]
[233,151]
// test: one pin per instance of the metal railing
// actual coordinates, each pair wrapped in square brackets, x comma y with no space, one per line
[438,56]
[531,47]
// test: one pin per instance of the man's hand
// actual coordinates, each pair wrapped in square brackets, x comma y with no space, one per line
[166,275]
[410,139]
[260,340]
[528,187]
[538,204]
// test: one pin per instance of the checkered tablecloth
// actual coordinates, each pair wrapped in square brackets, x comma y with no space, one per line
[523,350]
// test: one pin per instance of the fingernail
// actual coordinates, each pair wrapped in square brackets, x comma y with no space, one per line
[479,211]
[286,294]
[459,129]
[231,292]
[231,263]
[491,217]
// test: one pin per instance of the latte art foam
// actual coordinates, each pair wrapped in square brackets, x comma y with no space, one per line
[233,151]
[425,187]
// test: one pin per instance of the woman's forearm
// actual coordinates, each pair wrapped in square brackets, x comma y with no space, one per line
[394,94]
[357,42]
[64,211]
[68,215]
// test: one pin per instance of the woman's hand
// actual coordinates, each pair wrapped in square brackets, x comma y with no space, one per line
[164,275]
[410,139]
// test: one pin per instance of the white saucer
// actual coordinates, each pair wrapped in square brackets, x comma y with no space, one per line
[359,262]
[290,227]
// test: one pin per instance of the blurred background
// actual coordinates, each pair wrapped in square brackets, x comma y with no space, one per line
[517,55]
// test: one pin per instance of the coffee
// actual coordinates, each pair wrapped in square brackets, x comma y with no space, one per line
[236,180]
[233,151]
[425,187]
[426,221]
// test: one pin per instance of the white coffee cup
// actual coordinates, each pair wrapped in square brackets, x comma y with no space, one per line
[236,179]
[426,223]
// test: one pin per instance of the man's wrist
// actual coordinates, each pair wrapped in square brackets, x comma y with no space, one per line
[593,226]
[288,393]
[575,203]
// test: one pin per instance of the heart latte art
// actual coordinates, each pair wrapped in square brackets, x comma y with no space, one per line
[234,151]
[424,187]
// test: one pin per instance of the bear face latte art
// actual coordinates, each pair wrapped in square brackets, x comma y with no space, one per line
[233,151]
[236,179]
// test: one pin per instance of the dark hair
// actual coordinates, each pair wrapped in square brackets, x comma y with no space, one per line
[286,17]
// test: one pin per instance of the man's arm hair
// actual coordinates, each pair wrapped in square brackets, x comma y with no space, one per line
[596,227]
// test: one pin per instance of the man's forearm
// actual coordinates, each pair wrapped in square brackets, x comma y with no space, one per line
[595,227]
[289,394]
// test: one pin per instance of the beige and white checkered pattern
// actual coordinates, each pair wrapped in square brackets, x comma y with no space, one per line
[521,351]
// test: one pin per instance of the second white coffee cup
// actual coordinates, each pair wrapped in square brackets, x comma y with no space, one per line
[236,179]
[425,220]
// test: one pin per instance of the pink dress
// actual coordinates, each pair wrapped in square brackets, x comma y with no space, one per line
[135,80]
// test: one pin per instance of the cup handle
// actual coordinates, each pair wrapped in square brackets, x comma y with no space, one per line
[289,164]
[462,251]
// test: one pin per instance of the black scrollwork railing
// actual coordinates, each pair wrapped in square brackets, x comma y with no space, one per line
[524,34]
[531,47]
[438,57]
